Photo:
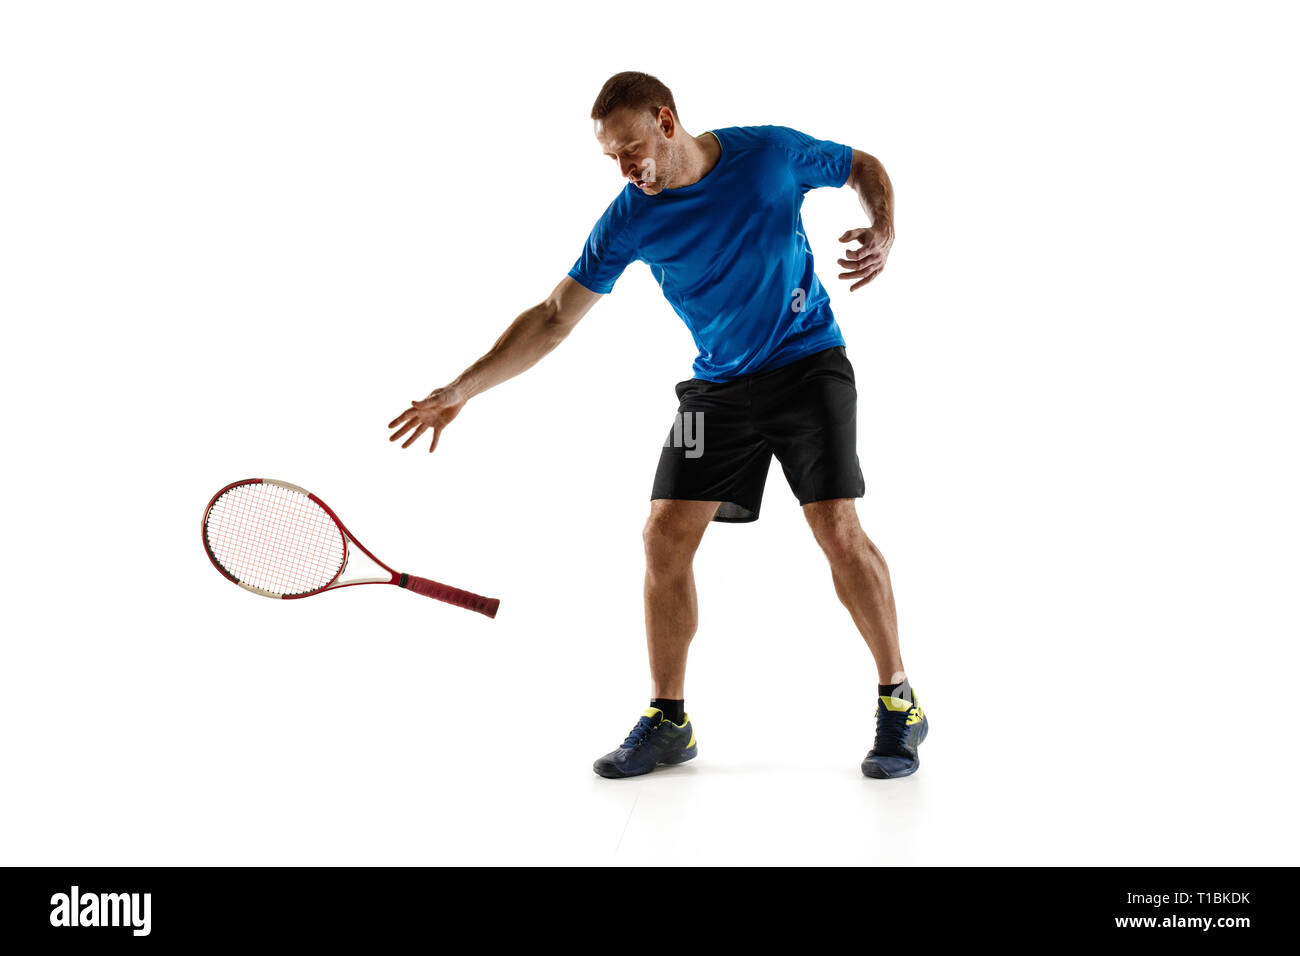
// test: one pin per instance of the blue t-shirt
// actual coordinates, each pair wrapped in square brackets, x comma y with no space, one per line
[730,251]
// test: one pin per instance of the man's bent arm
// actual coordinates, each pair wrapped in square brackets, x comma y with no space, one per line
[876,193]
[870,181]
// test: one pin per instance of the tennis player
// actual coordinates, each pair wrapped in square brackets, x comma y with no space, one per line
[717,219]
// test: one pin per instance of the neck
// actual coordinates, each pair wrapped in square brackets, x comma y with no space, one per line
[701,155]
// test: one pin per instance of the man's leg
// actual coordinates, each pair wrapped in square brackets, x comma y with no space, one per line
[664,734]
[672,534]
[861,580]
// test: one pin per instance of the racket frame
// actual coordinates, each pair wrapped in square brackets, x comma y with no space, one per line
[348,540]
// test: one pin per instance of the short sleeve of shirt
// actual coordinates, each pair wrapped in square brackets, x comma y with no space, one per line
[814,162]
[609,249]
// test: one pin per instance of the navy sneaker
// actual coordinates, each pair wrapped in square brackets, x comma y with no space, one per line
[901,725]
[653,741]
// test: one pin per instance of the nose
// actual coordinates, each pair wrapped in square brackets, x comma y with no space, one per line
[630,171]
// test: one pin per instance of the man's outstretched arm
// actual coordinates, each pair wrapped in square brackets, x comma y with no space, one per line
[521,346]
[871,183]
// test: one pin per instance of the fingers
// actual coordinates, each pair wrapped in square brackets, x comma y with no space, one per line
[873,248]
[853,234]
[876,259]
[858,273]
[417,420]
[861,270]
[414,435]
[414,421]
[411,423]
[867,278]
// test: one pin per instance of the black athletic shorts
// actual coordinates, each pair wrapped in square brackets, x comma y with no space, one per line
[725,434]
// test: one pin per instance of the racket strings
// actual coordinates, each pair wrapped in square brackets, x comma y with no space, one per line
[275,539]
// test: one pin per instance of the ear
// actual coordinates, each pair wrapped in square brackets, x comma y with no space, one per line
[667,122]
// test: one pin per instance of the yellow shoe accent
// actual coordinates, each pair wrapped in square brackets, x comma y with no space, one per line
[651,711]
[913,708]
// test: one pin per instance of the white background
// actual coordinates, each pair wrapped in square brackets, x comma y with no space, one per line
[238,238]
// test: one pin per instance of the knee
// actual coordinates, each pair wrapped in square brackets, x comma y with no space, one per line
[844,542]
[669,546]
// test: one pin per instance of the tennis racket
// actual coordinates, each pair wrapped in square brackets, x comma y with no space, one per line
[281,541]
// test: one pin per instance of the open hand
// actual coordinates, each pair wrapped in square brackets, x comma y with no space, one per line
[865,262]
[436,412]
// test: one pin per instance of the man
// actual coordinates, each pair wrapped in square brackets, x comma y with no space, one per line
[717,219]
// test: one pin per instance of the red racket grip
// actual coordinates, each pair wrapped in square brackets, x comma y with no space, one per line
[443,592]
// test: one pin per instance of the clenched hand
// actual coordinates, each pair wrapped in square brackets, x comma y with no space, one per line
[865,262]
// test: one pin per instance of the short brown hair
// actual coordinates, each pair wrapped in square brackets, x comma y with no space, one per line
[640,91]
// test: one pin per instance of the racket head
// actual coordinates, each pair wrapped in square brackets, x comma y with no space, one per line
[274,538]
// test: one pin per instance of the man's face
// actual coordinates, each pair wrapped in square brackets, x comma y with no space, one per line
[643,148]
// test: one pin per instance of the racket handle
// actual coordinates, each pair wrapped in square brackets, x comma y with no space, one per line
[443,592]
